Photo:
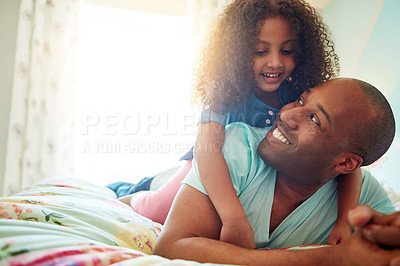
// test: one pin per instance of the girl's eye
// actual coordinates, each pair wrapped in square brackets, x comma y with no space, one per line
[260,53]
[287,52]
[314,119]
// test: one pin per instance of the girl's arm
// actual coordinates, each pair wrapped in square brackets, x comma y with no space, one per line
[215,177]
[349,190]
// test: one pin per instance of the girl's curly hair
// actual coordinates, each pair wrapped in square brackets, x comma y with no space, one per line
[225,76]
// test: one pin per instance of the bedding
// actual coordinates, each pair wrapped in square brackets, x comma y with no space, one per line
[65,221]
[71,222]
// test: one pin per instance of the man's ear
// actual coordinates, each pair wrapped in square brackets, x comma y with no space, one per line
[348,162]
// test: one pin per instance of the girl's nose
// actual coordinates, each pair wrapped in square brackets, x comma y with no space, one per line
[274,60]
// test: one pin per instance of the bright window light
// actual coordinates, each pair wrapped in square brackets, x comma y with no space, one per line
[133,108]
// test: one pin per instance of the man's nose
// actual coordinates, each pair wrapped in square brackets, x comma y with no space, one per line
[291,117]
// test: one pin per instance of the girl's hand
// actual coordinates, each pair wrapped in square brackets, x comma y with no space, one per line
[238,232]
[340,233]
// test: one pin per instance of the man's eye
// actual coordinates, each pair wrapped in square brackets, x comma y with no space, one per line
[300,101]
[314,119]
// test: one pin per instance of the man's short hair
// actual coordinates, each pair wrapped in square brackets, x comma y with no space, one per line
[374,137]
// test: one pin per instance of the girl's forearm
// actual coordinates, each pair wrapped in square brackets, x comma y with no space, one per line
[216,179]
[214,173]
[349,190]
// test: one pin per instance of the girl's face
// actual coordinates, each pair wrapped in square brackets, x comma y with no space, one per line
[274,54]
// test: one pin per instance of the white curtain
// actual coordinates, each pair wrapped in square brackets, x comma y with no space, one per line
[40,139]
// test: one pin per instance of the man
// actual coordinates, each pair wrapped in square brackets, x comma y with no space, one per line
[287,187]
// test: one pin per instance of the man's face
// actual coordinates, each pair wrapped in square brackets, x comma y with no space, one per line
[311,132]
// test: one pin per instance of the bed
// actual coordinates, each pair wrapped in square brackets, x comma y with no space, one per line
[66,221]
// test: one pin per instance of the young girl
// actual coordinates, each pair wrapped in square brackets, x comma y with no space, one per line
[261,55]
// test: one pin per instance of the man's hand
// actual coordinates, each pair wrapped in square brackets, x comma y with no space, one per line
[359,251]
[377,227]
[238,232]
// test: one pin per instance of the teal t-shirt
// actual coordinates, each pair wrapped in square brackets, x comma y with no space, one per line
[254,183]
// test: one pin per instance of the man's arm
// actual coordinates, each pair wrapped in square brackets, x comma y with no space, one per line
[192,229]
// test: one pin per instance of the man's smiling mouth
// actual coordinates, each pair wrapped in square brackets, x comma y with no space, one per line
[278,135]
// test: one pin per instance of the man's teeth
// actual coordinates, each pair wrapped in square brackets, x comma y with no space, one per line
[270,75]
[277,134]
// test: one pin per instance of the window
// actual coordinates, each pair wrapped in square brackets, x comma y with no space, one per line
[133,107]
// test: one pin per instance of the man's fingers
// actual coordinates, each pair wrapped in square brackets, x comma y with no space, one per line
[363,215]
[360,215]
[382,235]
[382,229]
[386,219]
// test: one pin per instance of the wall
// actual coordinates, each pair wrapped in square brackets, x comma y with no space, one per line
[367,40]
[9,10]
